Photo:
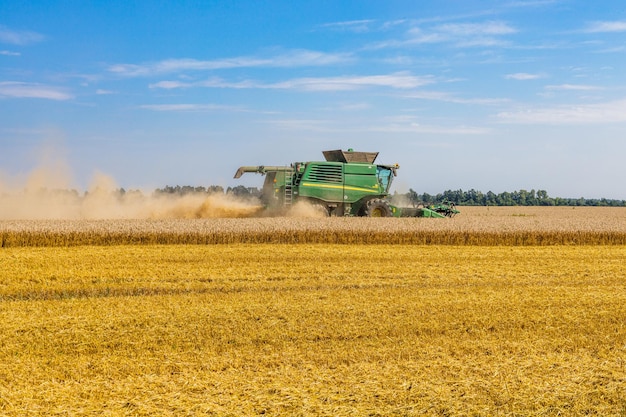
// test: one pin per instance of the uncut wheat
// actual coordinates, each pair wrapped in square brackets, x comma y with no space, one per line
[476,225]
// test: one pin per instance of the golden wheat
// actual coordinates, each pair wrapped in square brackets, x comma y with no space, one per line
[329,330]
[475,226]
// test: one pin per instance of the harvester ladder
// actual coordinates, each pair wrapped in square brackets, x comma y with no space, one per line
[288,188]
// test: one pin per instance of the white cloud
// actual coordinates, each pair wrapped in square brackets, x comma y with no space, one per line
[400,80]
[476,34]
[609,112]
[311,125]
[449,98]
[391,125]
[523,76]
[213,82]
[473,29]
[102,92]
[353,106]
[28,90]
[363,25]
[17,37]
[357,26]
[170,85]
[430,129]
[184,107]
[612,50]
[418,36]
[9,53]
[460,35]
[297,58]
[572,87]
[397,80]
[531,3]
[606,26]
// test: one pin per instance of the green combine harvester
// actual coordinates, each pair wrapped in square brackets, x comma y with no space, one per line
[348,183]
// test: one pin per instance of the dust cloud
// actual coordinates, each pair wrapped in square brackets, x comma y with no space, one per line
[46,193]
[401,200]
[306,210]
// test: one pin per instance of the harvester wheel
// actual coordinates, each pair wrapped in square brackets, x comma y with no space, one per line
[321,209]
[377,208]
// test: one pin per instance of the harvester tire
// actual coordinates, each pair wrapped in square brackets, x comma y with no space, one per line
[377,208]
[321,209]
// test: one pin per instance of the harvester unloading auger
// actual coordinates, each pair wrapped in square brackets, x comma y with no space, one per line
[348,183]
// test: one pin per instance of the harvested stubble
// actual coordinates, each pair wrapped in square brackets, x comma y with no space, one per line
[319,329]
[475,226]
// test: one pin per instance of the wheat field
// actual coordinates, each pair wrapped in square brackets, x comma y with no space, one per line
[485,226]
[315,328]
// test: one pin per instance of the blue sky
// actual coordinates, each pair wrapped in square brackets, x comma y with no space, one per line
[490,95]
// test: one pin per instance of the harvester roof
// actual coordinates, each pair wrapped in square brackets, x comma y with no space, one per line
[350,156]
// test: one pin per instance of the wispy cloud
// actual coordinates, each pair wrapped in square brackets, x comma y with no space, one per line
[185,107]
[572,87]
[475,34]
[396,80]
[382,126]
[530,3]
[611,50]
[474,29]
[363,25]
[608,112]
[352,106]
[489,33]
[9,53]
[606,26]
[430,129]
[311,125]
[450,98]
[420,36]
[13,89]
[400,80]
[357,26]
[19,37]
[213,82]
[523,76]
[297,58]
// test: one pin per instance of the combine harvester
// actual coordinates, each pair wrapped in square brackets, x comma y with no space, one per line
[348,183]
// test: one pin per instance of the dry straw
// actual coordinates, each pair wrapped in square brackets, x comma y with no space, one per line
[486,226]
[313,330]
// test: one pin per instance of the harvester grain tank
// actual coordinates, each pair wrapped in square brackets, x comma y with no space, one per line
[347,183]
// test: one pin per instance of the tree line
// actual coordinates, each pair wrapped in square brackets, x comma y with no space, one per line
[239,191]
[459,197]
[508,198]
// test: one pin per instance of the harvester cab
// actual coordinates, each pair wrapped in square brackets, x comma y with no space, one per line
[347,183]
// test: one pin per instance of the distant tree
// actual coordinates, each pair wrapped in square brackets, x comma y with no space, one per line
[167,190]
[459,197]
[239,191]
[413,197]
[543,199]
[215,189]
[505,199]
[427,198]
